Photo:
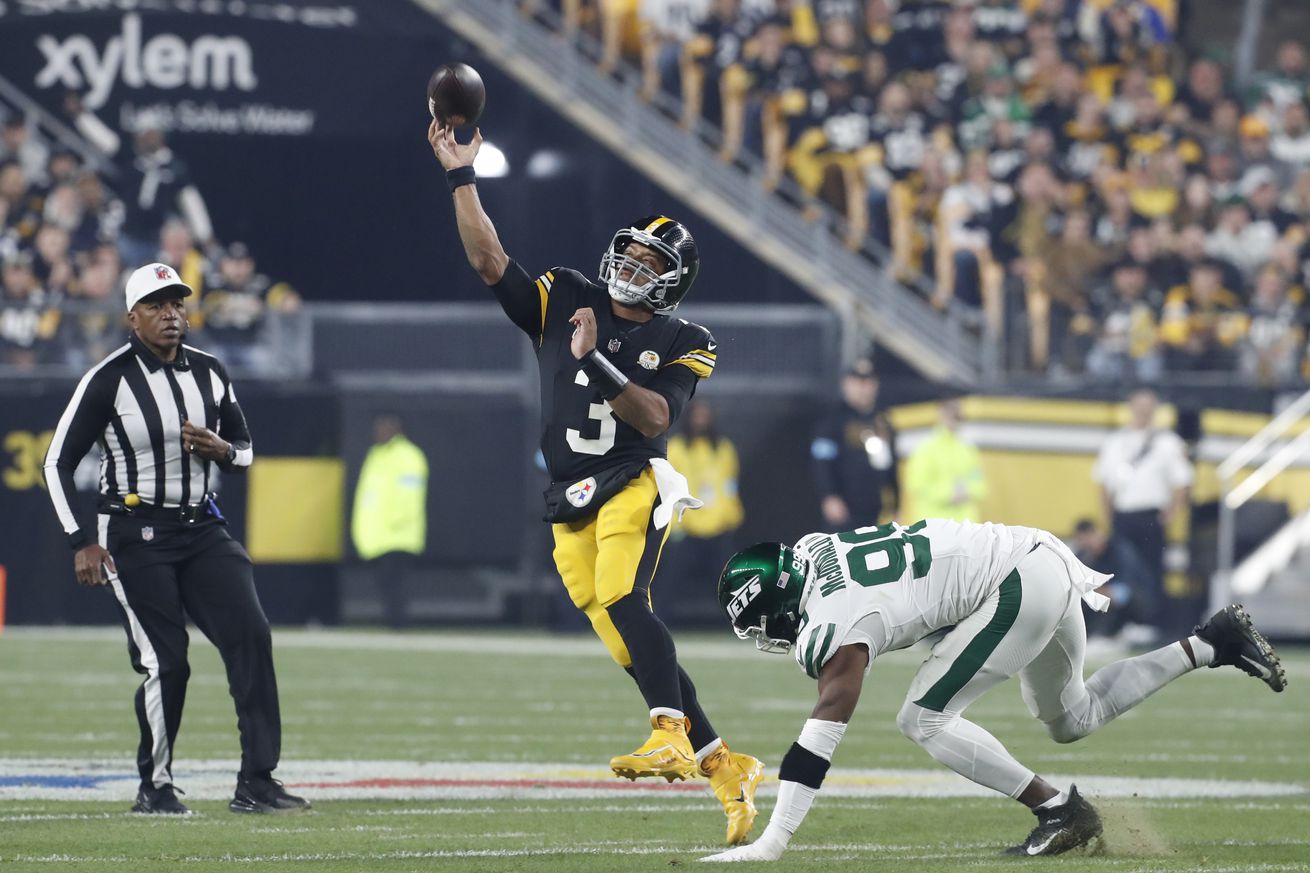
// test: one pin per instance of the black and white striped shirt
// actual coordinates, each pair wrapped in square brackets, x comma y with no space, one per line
[133,404]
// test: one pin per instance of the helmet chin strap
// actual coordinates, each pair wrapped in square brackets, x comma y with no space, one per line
[623,292]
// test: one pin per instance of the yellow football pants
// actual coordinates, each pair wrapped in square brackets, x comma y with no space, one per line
[610,555]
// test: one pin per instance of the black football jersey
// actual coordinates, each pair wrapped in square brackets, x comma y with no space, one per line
[581,435]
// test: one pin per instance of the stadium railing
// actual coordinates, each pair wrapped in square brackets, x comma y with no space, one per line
[1279,445]
[941,346]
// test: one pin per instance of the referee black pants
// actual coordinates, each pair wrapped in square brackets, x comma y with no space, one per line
[1142,531]
[167,573]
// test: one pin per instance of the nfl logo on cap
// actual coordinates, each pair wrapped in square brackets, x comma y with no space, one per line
[151,279]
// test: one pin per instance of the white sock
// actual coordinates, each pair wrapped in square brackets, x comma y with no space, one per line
[1058,800]
[709,749]
[676,714]
[1201,650]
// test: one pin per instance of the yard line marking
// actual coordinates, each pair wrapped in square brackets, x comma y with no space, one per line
[35,779]
[600,848]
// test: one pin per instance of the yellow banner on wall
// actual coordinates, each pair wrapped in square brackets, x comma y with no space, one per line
[295,510]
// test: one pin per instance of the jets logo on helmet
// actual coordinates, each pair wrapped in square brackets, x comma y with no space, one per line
[760,589]
[633,282]
[743,597]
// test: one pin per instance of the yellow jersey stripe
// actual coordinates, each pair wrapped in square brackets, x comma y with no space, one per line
[650,228]
[709,360]
[700,368]
[545,296]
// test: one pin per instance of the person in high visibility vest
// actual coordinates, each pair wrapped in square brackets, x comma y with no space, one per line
[389,524]
[944,476]
[704,538]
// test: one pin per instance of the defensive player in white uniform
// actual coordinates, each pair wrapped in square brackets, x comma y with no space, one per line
[1010,602]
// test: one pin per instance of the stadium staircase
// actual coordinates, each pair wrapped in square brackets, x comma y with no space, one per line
[943,347]
[1278,590]
[1274,579]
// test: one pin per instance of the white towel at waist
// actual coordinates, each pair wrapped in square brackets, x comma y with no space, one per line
[675,496]
[1083,578]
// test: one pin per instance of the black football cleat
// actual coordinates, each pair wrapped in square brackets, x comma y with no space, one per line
[1238,644]
[1059,829]
[264,795]
[159,801]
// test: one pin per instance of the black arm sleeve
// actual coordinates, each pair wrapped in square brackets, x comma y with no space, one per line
[894,474]
[522,301]
[676,384]
[825,452]
[81,425]
[232,427]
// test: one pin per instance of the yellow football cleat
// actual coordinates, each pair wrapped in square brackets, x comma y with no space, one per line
[667,753]
[734,779]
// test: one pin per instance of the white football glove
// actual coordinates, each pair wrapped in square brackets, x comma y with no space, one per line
[761,850]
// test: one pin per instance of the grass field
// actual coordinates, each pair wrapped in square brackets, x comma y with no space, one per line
[458,751]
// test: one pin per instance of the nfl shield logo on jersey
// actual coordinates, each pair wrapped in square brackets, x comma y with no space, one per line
[147,533]
[615,345]
[580,493]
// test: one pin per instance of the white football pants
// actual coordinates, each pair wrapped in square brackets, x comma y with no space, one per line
[1032,625]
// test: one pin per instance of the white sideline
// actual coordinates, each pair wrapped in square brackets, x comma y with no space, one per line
[29,779]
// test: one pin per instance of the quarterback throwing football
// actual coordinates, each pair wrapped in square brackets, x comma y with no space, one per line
[1010,602]
[616,372]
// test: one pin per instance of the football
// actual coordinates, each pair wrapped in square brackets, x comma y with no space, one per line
[456,95]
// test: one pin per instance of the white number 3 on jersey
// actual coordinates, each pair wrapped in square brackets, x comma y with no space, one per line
[597,412]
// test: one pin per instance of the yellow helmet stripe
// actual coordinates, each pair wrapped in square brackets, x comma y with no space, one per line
[650,228]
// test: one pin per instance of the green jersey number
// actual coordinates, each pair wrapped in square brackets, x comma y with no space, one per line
[890,541]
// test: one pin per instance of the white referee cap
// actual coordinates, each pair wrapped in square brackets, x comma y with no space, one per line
[146,280]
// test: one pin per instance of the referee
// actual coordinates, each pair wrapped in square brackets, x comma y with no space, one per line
[163,415]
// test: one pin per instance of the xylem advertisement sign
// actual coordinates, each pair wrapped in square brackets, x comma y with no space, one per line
[217,67]
[165,61]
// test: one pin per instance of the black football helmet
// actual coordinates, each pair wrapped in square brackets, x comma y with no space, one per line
[760,589]
[631,282]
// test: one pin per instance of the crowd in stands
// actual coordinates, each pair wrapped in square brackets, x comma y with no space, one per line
[1140,211]
[74,225]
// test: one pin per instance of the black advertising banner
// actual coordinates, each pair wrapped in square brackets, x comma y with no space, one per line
[286,419]
[229,68]
[301,123]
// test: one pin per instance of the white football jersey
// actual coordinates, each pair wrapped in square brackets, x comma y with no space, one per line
[915,579]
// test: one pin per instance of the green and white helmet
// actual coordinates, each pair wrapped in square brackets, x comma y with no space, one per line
[760,589]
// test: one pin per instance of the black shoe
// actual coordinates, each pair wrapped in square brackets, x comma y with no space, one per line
[259,794]
[1238,644]
[1061,828]
[159,801]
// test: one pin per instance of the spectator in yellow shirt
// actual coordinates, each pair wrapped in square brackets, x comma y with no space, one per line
[1202,323]
[944,476]
[703,540]
[389,523]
